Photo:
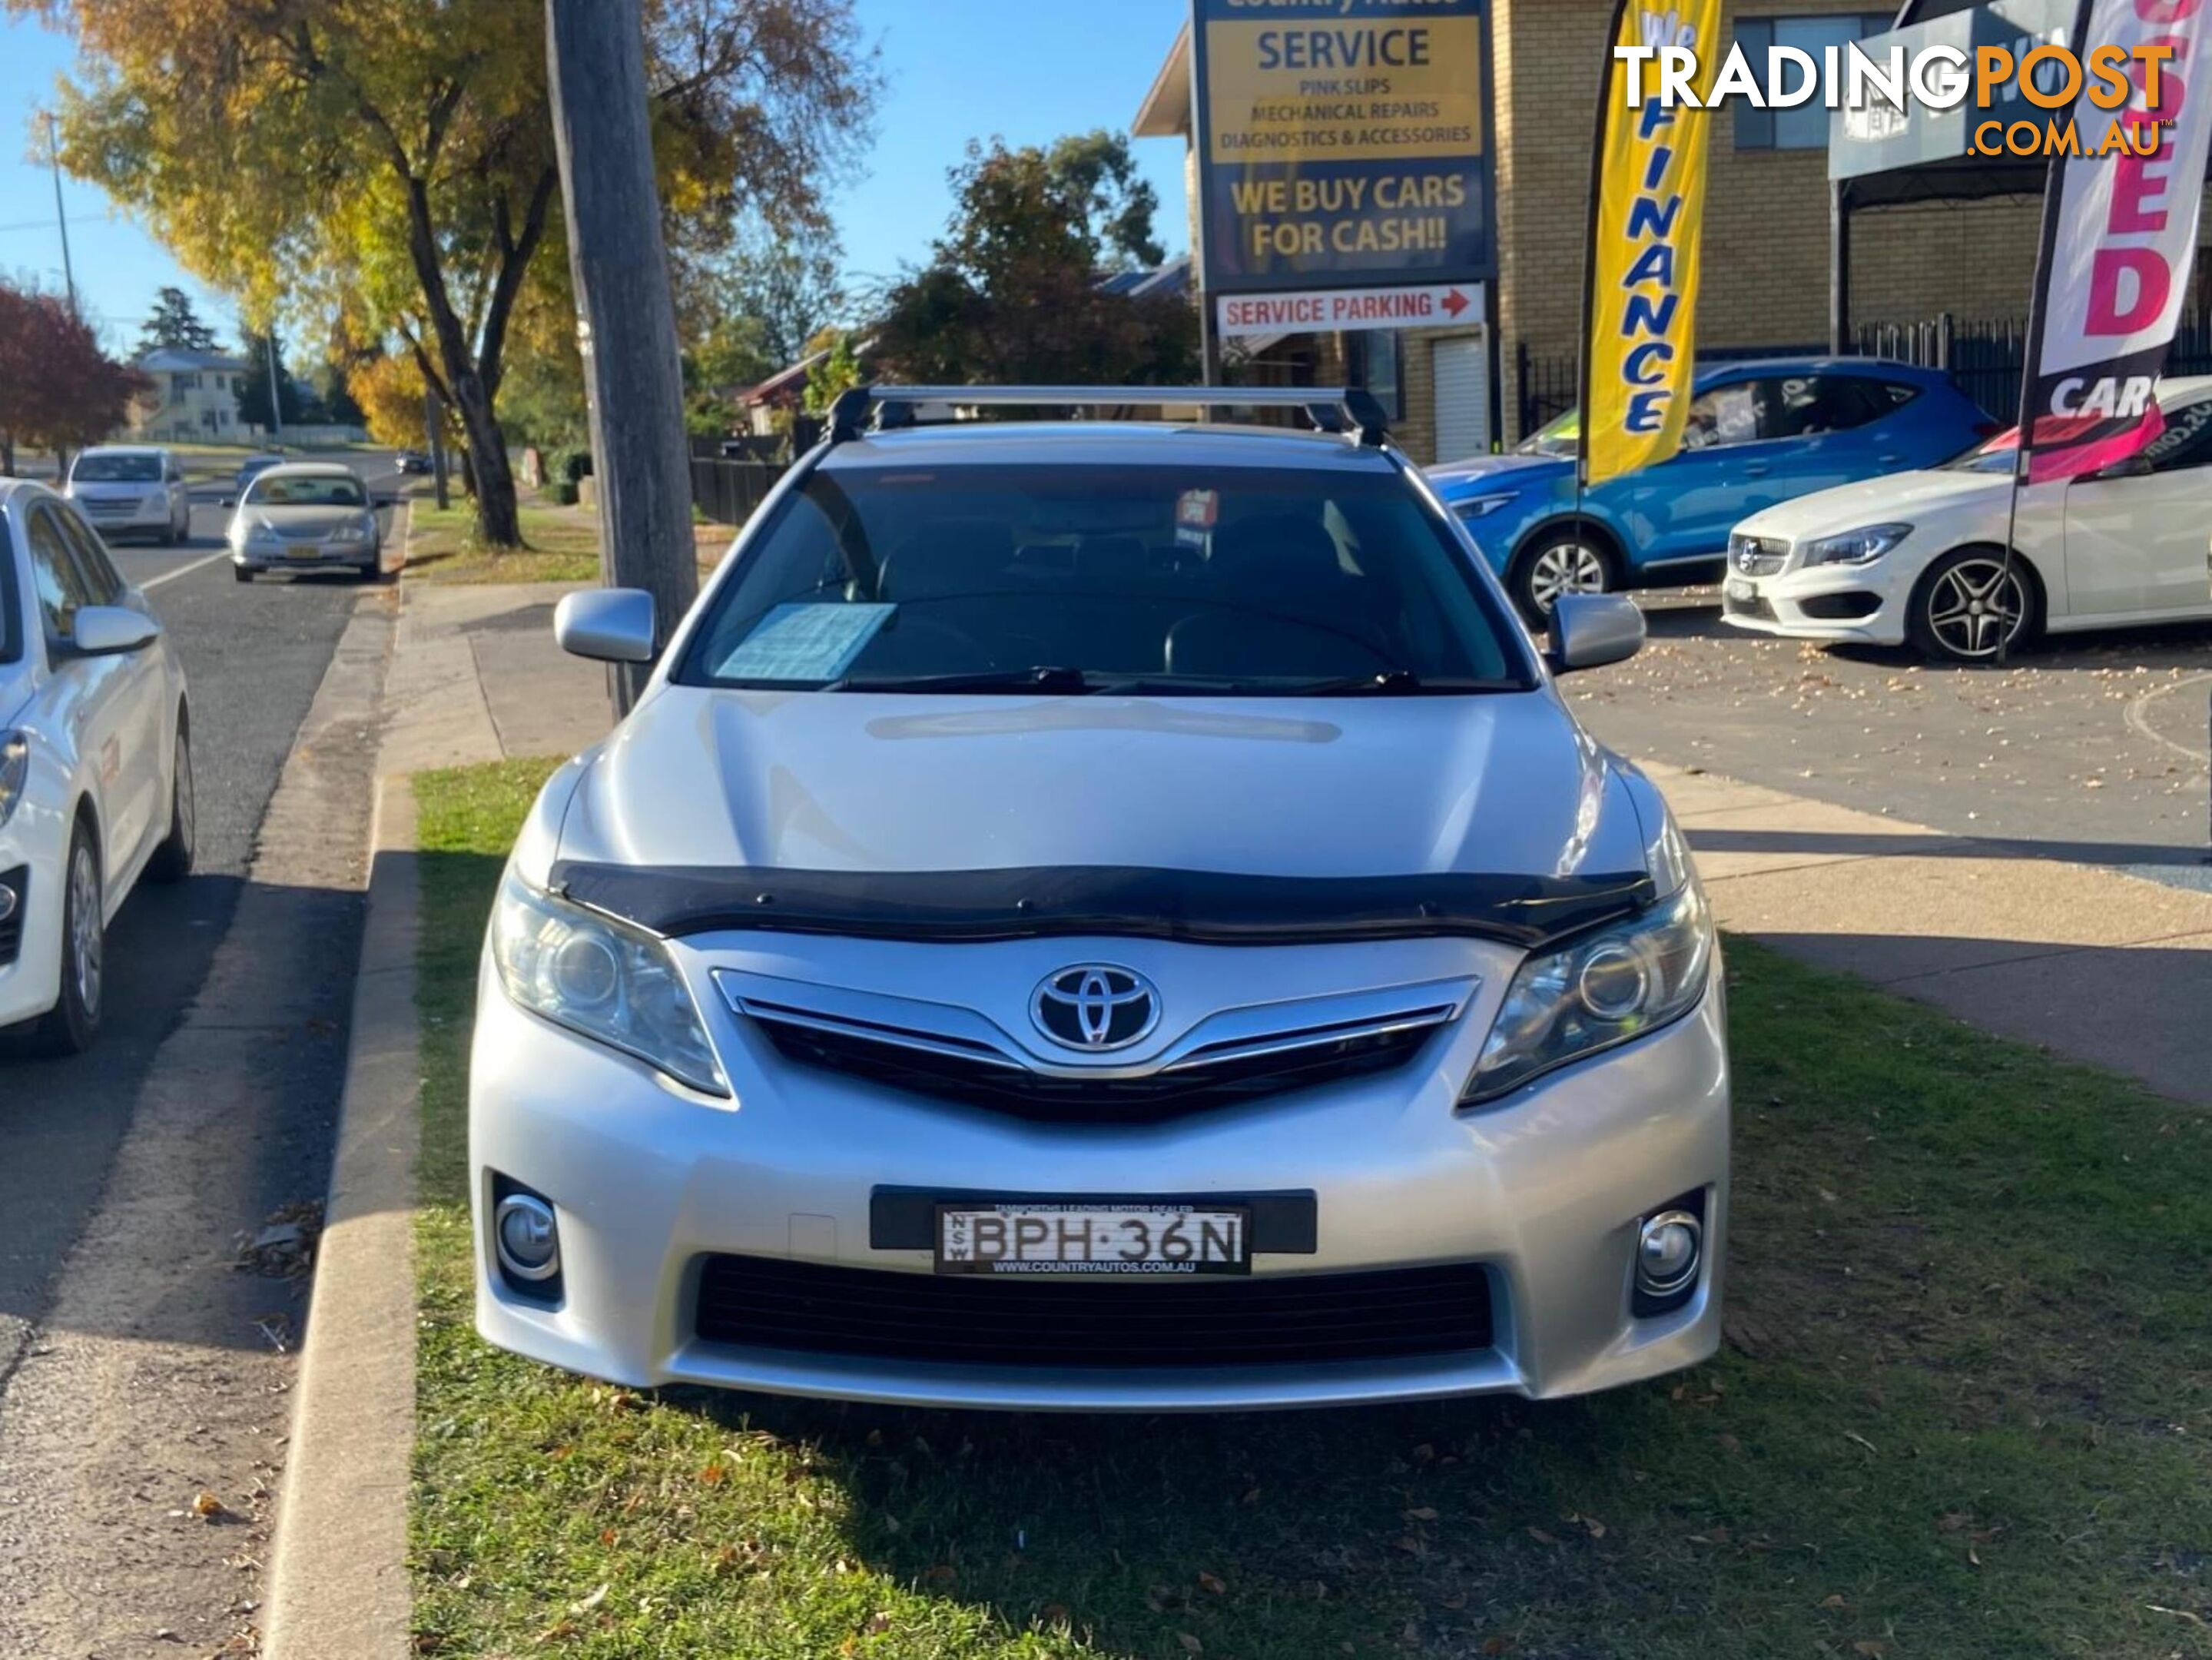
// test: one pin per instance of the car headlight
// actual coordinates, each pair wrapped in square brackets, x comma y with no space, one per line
[1609,987]
[1481,506]
[608,983]
[1858,547]
[14,773]
[355,531]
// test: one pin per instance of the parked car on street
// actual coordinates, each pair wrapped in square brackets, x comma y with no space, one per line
[252,467]
[1920,556]
[411,461]
[131,489]
[1760,433]
[96,764]
[1102,915]
[305,515]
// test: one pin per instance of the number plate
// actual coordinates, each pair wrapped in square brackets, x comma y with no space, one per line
[1083,1238]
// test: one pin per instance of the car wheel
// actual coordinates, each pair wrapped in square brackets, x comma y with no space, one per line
[242,574]
[1972,604]
[172,860]
[74,1021]
[1565,560]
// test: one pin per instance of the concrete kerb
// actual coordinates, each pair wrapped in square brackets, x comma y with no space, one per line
[338,1585]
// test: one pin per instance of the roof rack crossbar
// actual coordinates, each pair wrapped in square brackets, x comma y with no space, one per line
[1331,408]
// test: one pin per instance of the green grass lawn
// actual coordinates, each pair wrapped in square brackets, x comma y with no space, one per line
[563,545]
[1966,1409]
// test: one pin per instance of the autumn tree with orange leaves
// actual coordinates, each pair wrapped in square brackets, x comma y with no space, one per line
[388,165]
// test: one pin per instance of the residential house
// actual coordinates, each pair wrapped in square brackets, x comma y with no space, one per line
[194,400]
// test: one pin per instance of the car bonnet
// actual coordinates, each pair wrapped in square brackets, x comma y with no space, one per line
[1216,819]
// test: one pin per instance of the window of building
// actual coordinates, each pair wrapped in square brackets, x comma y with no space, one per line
[1805,127]
[1373,360]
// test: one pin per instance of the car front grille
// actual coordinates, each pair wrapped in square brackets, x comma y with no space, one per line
[976,1320]
[17,882]
[1756,556]
[1194,1088]
[109,508]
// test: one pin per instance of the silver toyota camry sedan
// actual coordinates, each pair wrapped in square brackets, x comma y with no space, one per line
[1102,915]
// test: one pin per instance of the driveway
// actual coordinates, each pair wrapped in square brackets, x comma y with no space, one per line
[2091,746]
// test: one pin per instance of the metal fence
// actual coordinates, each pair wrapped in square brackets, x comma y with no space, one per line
[728,491]
[1985,358]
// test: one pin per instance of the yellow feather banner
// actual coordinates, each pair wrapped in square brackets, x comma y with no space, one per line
[1647,220]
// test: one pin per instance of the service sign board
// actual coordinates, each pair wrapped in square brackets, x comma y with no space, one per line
[1342,143]
[1310,311]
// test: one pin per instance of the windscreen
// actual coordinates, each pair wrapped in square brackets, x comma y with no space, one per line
[117,470]
[312,491]
[1564,438]
[1156,581]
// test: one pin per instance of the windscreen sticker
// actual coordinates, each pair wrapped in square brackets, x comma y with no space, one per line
[803,641]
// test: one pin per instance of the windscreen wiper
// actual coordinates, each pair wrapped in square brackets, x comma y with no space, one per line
[1387,683]
[1052,681]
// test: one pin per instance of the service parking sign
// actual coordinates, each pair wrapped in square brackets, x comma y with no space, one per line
[1342,145]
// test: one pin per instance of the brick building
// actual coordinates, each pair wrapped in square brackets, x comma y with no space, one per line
[1766,281]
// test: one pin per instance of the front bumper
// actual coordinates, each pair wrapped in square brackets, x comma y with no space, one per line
[1544,1191]
[31,849]
[1828,602]
[306,556]
[143,519]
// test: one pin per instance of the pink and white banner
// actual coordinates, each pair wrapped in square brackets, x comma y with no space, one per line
[2120,243]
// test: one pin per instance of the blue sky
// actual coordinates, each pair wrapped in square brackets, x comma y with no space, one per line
[1027,71]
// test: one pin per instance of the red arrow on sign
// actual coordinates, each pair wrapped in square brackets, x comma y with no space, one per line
[1455,302]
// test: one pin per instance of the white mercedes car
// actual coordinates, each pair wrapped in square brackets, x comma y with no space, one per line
[96,764]
[1919,558]
[1102,915]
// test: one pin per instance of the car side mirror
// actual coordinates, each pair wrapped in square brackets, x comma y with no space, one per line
[608,625]
[1590,630]
[110,631]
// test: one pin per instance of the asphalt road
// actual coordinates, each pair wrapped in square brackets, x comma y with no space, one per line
[253,656]
[2093,746]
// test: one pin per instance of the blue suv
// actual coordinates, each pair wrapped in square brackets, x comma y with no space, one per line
[1761,432]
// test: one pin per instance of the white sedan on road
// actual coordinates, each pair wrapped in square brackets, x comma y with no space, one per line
[1920,556]
[95,762]
[305,515]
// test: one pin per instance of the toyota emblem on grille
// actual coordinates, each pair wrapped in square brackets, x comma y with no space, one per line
[1096,1007]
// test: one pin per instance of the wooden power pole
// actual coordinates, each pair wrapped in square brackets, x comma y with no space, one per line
[625,313]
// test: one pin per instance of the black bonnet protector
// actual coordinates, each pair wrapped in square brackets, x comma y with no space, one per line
[1197,907]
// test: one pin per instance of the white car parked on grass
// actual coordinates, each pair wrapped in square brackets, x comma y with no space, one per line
[132,491]
[1919,556]
[1102,915]
[95,762]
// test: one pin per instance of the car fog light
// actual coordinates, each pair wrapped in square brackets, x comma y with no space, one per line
[7,902]
[528,1242]
[1666,1253]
